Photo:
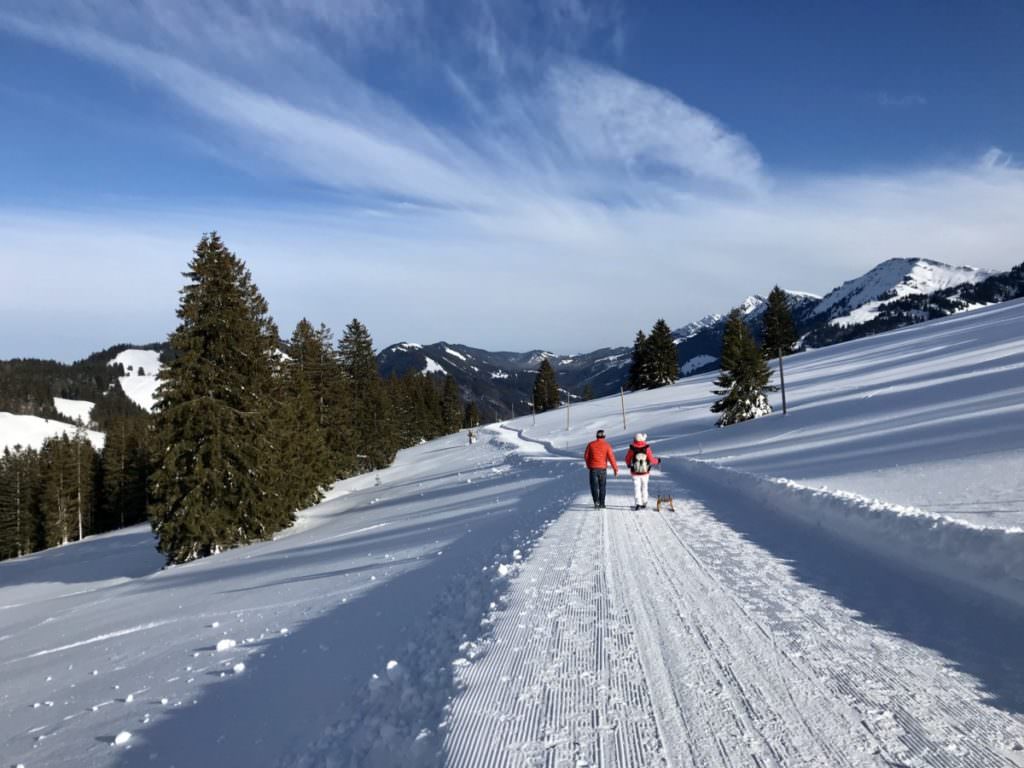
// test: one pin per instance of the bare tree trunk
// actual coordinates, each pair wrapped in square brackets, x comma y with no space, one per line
[78,478]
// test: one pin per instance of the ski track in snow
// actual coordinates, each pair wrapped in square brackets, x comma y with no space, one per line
[661,638]
[561,681]
[467,607]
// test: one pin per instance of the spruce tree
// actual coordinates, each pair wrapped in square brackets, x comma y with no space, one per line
[779,331]
[57,493]
[472,417]
[330,390]
[304,463]
[588,392]
[640,364]
[124,468]
[744,376]
[545,388]
[19,481]
[663,363]
[451,406]
[371,418]
[307,375]
[213,432]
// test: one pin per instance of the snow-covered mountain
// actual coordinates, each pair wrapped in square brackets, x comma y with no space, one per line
[858,301]
[467,606]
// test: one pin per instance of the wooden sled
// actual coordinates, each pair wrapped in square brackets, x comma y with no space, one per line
[667,501]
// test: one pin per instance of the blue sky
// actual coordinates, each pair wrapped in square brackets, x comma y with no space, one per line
[504,174]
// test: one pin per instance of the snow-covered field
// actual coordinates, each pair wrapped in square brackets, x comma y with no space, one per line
[32,431]
[140,380]
[76,410]
[468,607]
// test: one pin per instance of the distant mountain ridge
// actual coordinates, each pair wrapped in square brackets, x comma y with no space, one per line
[864,305]
[894,293]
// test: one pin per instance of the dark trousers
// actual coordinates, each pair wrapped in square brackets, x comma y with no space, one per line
[598,482]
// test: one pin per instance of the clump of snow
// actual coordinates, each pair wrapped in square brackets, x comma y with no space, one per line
[239,668]
[225,645]
[122,738]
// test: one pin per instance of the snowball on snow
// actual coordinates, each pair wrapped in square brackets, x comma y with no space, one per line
[122,737]
[239,668]
[225,645]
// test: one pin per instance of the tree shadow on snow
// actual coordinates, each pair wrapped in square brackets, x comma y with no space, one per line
[981,636]
[125,554]
[305,695]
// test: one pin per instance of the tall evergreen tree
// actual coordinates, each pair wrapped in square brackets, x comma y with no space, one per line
[545,388]
[57,492]
[19,480]
[306,376]
[640,364]
[331,392]
[304,463]
[451,405]
[472,417]
[779,331]
[588,392]
[124,473]
[371,417]
[213,486]
[744,376]
[662,359]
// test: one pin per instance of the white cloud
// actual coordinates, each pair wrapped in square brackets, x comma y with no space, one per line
[996,158]
[564,184]
[886,99]
[606,115]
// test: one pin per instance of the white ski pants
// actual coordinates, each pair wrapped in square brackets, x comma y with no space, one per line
[640,488]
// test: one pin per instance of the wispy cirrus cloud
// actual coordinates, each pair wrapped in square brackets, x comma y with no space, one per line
[886,99]
[529,159]
[555,129]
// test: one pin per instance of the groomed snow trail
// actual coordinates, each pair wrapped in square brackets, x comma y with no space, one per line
[561,682]
[658,638]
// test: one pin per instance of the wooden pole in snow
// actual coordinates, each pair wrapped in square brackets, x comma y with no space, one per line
[782,382]
[622,396]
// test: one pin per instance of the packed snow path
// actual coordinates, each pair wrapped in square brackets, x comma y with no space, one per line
[470,608]
[667,638]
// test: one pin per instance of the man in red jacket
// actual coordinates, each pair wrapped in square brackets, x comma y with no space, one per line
[640,459]
[598,456]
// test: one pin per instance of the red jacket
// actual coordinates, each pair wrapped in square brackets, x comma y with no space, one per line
[635,448]
[599,454]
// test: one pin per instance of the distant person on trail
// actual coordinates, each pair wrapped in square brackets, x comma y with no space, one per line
[599,455]
[640,459]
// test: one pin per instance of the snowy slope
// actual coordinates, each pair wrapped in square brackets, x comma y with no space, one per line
[857,301]
[468,607]
[76,410]
[32,431]
[140,382]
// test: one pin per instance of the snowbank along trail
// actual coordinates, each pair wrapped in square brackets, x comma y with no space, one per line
[659,638]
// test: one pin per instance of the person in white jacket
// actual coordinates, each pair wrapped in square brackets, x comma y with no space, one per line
[640,458]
